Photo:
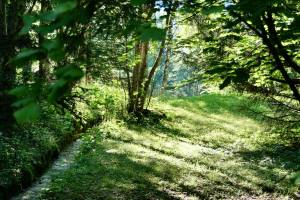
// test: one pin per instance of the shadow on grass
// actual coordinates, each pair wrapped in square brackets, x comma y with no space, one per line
[159,127]
[151,171]
[273,156]
[263,166]
[104,175]
[103,172]
[230,181]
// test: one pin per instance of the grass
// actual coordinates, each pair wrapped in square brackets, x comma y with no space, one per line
[207,147]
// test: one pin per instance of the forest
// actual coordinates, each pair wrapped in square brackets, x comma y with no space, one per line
[149,99]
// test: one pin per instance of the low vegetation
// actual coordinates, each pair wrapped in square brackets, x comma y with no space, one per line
[33,146]
[207,147]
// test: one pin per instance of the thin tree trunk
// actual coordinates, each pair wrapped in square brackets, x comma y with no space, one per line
[7,73]
[155,65]
[166,70]
[278,63]
[168,55]
[134,82]
[140,81]
[43,73]
[273,50]
[142,75]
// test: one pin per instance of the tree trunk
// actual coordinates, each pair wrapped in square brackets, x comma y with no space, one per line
[277,50]
[43,73]
[134,82]
[278,63]
[168,55]
[8,41]
[155,65]
[140,81]
[142,76]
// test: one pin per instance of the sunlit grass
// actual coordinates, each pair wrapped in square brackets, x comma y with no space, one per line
[208,147]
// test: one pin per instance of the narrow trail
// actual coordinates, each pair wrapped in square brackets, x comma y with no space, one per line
[64,161]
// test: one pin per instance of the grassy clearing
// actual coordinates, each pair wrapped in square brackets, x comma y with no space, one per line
[208,147]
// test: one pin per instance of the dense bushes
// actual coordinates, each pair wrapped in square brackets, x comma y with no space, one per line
[32,147]
[28,152]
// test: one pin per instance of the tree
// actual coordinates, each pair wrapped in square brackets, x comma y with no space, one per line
[140,81]
[275,23]
[168,55]
[10,24]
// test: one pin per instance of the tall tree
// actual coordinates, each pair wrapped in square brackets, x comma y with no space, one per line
[10,24]
[168,55]
[140,82]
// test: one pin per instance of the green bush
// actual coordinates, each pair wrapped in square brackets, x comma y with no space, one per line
[33,146]
[107,101]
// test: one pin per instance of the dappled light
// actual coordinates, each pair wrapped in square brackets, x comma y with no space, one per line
[202,159]
[149,99]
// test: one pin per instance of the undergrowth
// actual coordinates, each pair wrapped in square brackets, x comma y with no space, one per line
[31,148]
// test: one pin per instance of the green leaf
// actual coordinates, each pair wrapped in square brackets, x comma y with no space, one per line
[152,33]
[57,55]
[28,21]
[225,83]
[23,102]
[242,75]
[55,49]
[71,72]
[218,70]
[19,91]
[138,2]
[212,9]
[59,10]
[57,90]
[297,179]
[59,83]
[52,44]
[27,54]
[28,113]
